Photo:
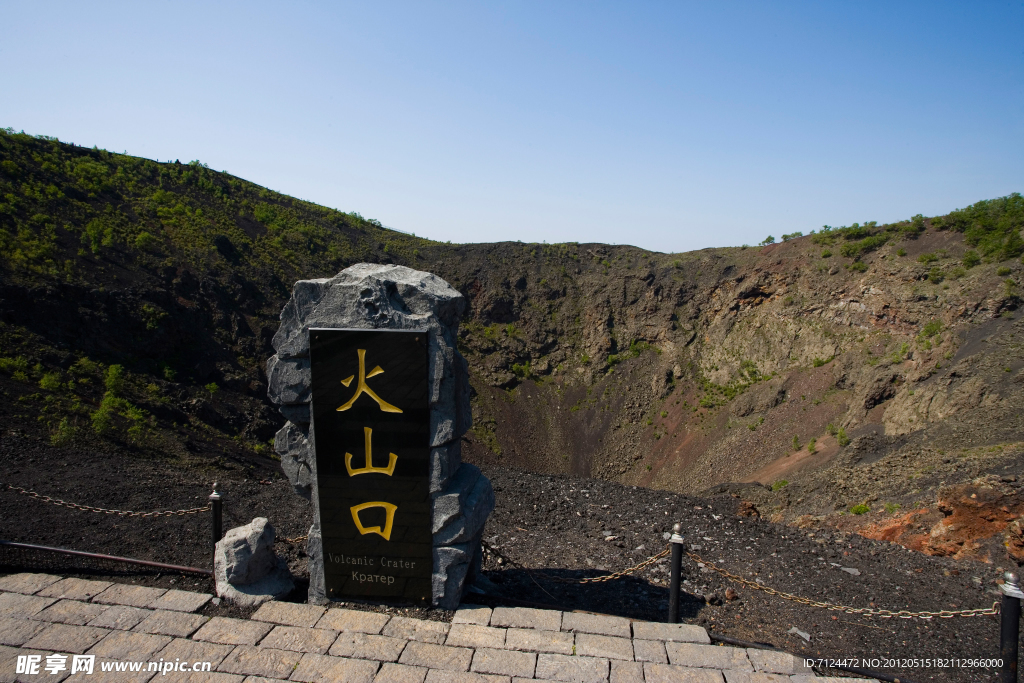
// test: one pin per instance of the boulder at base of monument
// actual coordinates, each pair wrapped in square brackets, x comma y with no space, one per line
[246,570]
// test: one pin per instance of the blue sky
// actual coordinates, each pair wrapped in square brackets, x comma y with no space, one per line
[667,125]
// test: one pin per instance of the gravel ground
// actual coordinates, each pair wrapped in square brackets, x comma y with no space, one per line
[569,527]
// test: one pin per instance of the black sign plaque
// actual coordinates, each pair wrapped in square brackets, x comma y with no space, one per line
[371,421]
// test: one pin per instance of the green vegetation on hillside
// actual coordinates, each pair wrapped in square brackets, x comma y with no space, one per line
[167,214]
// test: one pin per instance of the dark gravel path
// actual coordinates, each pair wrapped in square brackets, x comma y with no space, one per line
[557,523]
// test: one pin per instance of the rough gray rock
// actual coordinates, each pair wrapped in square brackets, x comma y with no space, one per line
[371,296]
[246,570]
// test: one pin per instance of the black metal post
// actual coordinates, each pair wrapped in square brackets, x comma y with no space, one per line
[677,564]
[216,504]
[1009,627]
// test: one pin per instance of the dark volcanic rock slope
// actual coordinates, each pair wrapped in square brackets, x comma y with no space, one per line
[867,369]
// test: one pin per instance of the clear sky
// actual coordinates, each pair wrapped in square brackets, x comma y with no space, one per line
[667,125]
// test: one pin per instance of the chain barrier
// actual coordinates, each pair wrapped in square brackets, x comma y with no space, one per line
[290,540]
[593,579]
[863,611]
[89,508]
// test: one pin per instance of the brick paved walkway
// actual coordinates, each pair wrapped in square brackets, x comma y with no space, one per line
[42,614]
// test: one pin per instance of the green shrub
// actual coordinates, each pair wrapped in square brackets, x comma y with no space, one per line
[830,429]
[825,253]
[841,437]
[63,434]
[901,252]
[892,507]
[780,484]
[767,240]
[818,362]
[84,366]
[115,379]
[51,381]
[935,275]
[930,329]
[858,266]
[992,226]
[810,445]
[1003,271]
[860,509]
[212,387]
[146,242]
[521,370]
[792,236]
[796,443]
[928,258]
[13,365]
[971,258]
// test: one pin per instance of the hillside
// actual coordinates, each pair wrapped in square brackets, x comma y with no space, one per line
[869,377]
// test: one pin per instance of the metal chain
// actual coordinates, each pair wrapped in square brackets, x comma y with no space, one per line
[594,579]
[291,540]
[89,508]
[864,611]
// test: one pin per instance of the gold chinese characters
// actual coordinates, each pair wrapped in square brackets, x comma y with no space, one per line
[362,388]
[389,510]
[368,467]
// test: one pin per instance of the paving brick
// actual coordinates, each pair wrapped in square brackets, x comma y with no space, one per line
[75,589]
[300,639]
[436,656]
[474,635]
[504,662]
[165,622]
[70,612]
[610,647]
[400,673]
[260,661]
[773,662]
[441,676]
[352,620]
[315,668]
[417,629]
[125,645]
[100,676]
[65,638]
[120,617]
[181,601]
[233,631]
[678,633]
[289,613]
[539,641]
[8,662]
[626,672]
[708,656]
[572,669]
[367,646]
[199,677]
[15,632]
[669,673]
[761,677]
[194,651]
[527,617]
[26,583]
[472,614]
[580,622]
[650,651]
[133,596]
[18,605]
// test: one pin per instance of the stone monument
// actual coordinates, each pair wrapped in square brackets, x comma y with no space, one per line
[380,297]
